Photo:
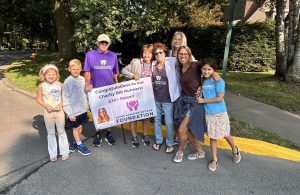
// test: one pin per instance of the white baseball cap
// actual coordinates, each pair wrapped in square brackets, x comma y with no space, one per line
[103,37]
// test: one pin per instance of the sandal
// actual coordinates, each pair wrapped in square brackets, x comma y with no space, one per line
[156,146]
[53,158]
[169,149]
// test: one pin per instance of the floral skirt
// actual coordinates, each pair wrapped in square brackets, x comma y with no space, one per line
[218,125]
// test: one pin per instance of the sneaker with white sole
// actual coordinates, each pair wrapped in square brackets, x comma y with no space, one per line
[135,142]
[146,140]
[110,139]
[73,146]
[236,157]
[195,156]
[97,140]
[178,157]
[213,165]
[82,149]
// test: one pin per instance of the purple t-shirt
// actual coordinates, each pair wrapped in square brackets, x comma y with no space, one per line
[160,86]
[102,67]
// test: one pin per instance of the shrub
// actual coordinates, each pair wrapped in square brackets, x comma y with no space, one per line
[252,45]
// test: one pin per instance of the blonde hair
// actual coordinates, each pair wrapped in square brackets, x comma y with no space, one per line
[75,62]
[183,39]
[45,69]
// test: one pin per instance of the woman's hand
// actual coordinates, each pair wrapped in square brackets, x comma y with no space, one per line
[136,77]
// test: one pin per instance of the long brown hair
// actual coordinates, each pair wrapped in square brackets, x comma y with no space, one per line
[188,50]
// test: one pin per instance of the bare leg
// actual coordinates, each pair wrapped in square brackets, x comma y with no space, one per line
[213,147]
[230,141]
[146,126]
[133,128]
[195,142]
[182,132]
[76,133]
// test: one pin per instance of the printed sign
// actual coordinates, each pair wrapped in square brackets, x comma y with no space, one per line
[122,102]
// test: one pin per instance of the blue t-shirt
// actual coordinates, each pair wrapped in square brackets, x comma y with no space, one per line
[210,89]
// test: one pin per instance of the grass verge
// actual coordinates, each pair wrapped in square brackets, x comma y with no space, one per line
[264,87]
[242,129]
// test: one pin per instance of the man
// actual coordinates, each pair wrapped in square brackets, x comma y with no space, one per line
[101,69]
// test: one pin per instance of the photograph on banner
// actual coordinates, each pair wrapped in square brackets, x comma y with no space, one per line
[122,102]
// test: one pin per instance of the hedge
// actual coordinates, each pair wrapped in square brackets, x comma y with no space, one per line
[252,45]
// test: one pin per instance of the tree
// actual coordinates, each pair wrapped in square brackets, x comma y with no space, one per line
[293,71]
[115,17]
[279,36]
[64,29]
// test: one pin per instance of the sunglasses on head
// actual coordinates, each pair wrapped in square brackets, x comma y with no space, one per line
[158,53]
[104,42]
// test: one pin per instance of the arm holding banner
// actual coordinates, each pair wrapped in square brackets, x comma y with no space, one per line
[87,78]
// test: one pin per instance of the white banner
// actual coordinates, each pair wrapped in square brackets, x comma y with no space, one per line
[122,102]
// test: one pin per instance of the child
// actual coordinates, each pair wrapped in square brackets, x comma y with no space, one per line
[49,96]
[140,69]
[216,113]
[75,105]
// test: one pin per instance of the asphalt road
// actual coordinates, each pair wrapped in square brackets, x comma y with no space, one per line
[121,169]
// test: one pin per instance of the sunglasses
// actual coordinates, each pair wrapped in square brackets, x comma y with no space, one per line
[158,53]
[104,42]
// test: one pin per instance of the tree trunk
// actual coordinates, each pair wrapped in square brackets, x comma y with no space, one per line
[64,29]
[293,72]
[280,49]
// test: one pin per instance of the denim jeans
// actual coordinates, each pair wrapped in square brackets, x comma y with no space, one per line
[57,119]
[167,109]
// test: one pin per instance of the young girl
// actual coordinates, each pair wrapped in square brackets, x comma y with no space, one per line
[216,113]
[49,96]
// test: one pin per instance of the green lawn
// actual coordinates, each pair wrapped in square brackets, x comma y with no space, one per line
[265,88]
[25,74]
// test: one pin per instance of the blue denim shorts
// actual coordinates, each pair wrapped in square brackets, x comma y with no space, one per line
[80,120]
[188,113]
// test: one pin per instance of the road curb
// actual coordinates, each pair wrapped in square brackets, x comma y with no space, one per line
[9,84]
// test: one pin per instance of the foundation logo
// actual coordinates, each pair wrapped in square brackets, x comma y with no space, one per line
[103,62]
[132,105]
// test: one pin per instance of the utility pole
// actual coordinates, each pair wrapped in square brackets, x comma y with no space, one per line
[228,37]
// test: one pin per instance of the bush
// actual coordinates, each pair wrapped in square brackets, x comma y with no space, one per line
[252,45]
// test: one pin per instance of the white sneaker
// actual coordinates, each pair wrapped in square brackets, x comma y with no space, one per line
[195,156]
[178,157]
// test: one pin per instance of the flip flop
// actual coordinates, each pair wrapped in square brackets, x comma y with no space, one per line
[156,146]
[169,149]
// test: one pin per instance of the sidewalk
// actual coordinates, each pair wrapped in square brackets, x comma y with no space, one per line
[269,118]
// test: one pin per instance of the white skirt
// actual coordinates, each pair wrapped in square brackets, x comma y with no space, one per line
[218,125]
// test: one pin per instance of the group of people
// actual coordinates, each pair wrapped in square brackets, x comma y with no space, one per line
[189,94]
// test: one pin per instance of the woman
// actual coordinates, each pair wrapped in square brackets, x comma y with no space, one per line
[103,116]
[166,91]
[189,115]
[140,68]
[179,39]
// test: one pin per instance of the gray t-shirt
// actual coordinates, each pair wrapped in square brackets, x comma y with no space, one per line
[74,96]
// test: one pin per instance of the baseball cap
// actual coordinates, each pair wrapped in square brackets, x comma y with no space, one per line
[103,37]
